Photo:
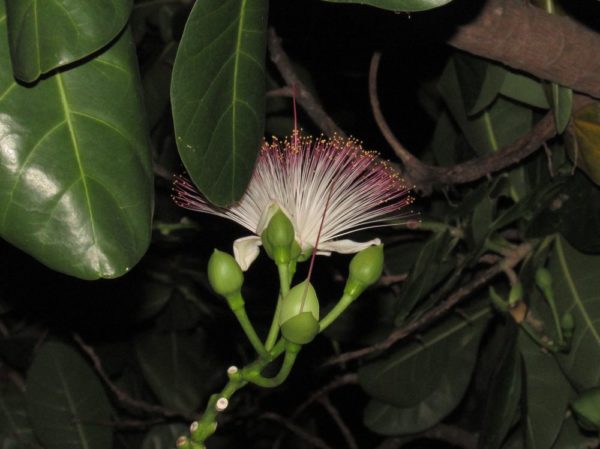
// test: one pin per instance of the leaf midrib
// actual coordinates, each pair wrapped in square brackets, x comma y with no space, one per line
[236,64]
[76,150]
[574,292]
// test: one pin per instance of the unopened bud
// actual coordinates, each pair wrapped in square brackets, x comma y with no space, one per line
[278,238]
[365,269]
[543,279]
[224,274]
[299,314]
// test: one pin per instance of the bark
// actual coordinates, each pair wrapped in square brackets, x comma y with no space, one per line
[524,37]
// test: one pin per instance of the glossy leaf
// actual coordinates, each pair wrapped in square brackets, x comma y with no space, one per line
[480,81]
[431,267]
[15,429]
[218,95]
[504,393]
[544,413]
[75,172]
[492,129]
[585,149]
[44,35]
[572,437]
[174,358]
[524,89]
[562,104]
[67,405]
[577,197]
[419,385]
[576,285]
[399,5]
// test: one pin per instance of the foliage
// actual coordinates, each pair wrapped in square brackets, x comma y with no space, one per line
[484,330]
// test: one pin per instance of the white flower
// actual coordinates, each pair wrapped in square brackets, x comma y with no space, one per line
[331,181]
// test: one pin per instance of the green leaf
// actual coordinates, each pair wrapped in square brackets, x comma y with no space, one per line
[431,267]
[572,437]
[44,35]
[419,385]
[524,89]
[218,95]
[562,105]
[75,172]
[492,129]
[576,285]
[175,359]
[398,5]
[480,81]
[544,413]
[504,394]
[577,197]
[67,404]
[15,429]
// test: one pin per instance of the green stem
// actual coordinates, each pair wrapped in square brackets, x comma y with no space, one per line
[284,288]
[549,345]
[207,425]
[274,329]
[550,299]
[242,317]
[337,310]
[254,376]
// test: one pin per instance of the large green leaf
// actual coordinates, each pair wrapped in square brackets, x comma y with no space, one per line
[491,129]
[75,171]
[504,393]
[544,413]
[218,94]
[46,34]
[577,289]
[480,81]
[176,358]
[423,382]
[67,404]
[15,429]
[399,5]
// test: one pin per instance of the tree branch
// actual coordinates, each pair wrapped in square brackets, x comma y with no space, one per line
[512,258]
[122,396]
[550,47]
[306,99]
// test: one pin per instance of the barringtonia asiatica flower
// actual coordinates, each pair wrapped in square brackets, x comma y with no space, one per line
[333,181]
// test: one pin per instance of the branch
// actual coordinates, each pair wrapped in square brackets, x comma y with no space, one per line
[337,418]
[512,258]
[424,176]
[550,47]
[122,396]
[306,99]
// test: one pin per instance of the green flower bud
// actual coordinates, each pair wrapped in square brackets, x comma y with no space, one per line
[301,329]
[278,238]
[543,279]
[497,301]
[516,294]
[587,409]
[567,324]
[224,274]
[365,269]
[299,314]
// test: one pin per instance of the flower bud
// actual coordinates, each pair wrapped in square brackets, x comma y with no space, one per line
[567,324]
[587,409]
[224,274]
[543,279]
[278,238]
[299,314]
[365,269]
[515,295]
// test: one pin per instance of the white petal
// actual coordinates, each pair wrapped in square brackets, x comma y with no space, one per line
[346,246]
[246,250]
